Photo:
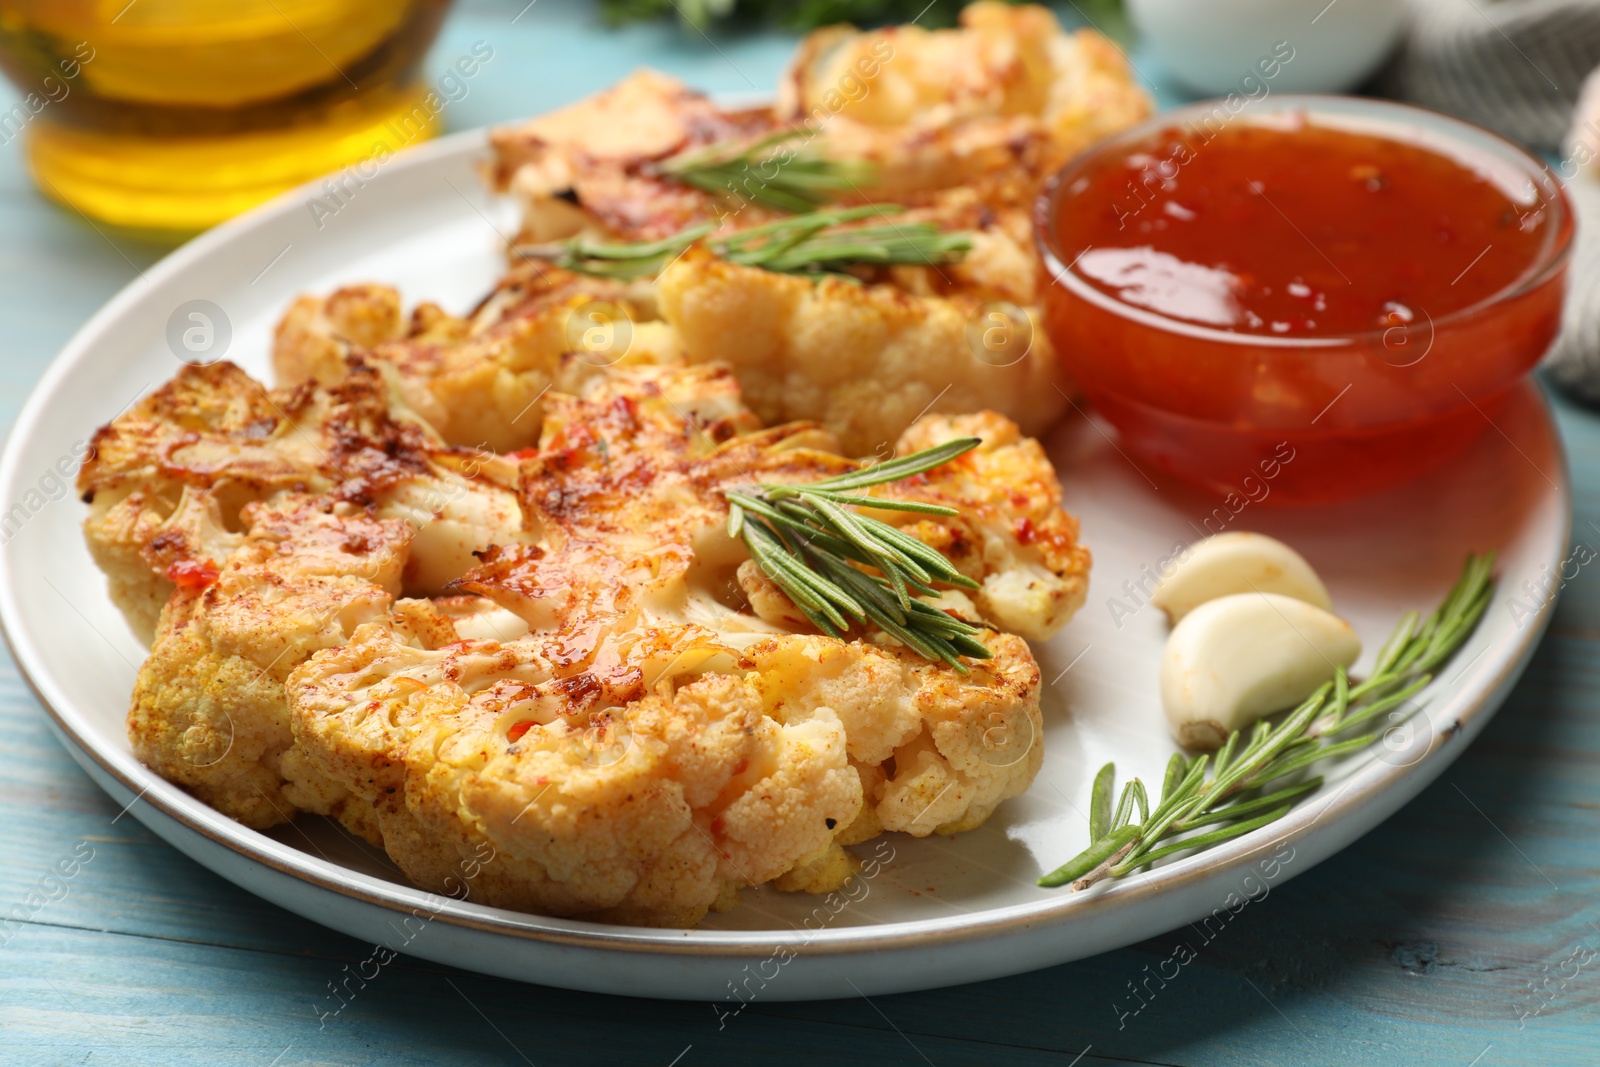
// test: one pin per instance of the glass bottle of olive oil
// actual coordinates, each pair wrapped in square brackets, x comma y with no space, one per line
[173,115]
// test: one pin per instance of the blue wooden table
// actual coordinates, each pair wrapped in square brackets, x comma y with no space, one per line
[1465,932]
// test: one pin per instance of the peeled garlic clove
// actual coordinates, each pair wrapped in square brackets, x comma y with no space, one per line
[1237,658]
[1237,563]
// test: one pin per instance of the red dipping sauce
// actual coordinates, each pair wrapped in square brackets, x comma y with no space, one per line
[1351,283]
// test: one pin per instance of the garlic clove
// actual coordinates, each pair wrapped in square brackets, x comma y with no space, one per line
[1237,563]
[1237,658]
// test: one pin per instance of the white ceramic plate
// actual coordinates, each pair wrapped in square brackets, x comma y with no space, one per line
[941,911]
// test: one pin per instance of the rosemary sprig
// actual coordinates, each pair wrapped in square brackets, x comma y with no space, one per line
[808,541]
[1235,798]
[759,173]
[815,243]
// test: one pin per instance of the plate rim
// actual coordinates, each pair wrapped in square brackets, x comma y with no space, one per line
[1469,710]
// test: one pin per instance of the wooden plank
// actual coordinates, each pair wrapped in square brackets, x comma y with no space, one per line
[65,993]
[132,882]
[1580,432]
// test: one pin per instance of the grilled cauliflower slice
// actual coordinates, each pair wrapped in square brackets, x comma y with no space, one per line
[586,166]
[999,103]
[478,382]
[864,361]
[962,127]
[605,700]
[653,743]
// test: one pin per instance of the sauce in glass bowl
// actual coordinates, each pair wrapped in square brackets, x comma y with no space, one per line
[1350,283]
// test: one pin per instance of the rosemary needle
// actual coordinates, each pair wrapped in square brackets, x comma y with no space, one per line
[819,242]
[809,542]
[1235,798]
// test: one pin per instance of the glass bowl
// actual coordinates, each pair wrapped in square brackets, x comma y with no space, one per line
[1321,417]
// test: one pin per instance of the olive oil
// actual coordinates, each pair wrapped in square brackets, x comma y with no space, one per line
[173,115]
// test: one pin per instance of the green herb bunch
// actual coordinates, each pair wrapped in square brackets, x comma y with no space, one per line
[816,243]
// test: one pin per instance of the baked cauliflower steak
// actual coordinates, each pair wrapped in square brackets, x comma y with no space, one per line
[959,128]
[670,729]
[998,103]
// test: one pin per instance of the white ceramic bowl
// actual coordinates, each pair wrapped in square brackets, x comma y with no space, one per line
[1218,47]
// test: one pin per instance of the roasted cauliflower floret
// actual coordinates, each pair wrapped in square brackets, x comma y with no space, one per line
[1011,536]
[167,480]
[595,796]
[959,743]
[478,382]
[208,708]
[250,528]
[999,103]
[864,361]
